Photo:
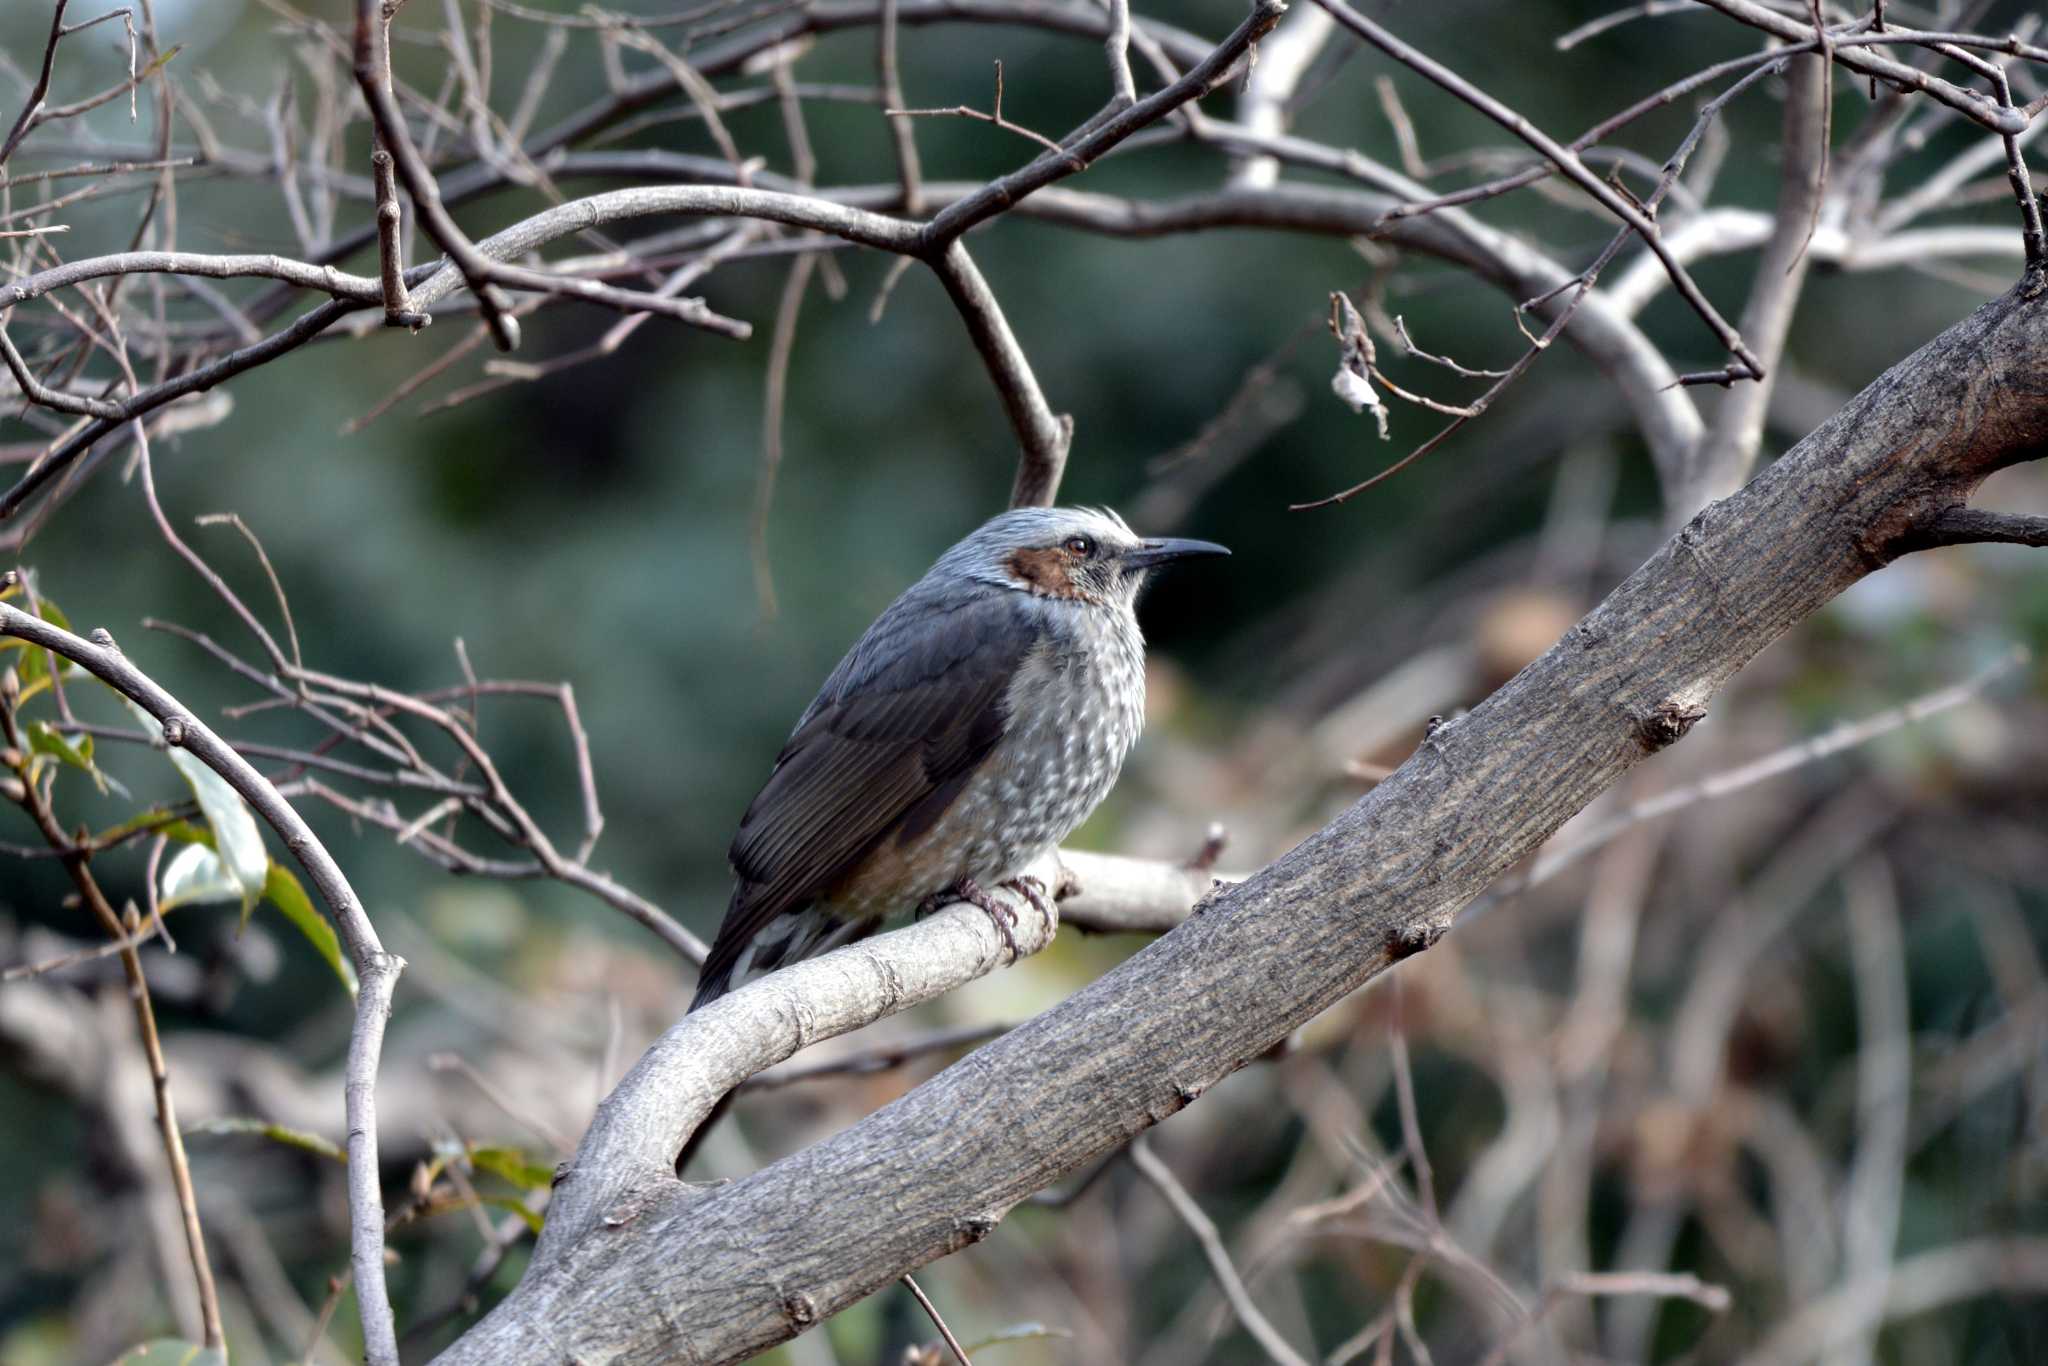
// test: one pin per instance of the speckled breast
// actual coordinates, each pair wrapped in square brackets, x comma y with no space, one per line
[1075,709]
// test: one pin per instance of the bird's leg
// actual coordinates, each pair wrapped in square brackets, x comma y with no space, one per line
[967,889]
[1033,890]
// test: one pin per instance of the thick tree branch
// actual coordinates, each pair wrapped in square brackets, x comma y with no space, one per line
[1112,894]
[732,1269]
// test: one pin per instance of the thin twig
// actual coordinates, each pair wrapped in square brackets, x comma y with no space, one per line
[33,106]
[373,76]
[932,1312]
[1844,736]
[1564,159]
[31,796]
[903,136]
[993,116]
[1154,1171]
[775,390]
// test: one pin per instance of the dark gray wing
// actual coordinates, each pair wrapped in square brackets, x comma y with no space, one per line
[891,740]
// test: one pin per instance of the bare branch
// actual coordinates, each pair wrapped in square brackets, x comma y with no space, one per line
[1730,449]
[901,134]
[1916,1285]
[1284,58]
[1044,435]
[1850,54]
[1116,46]
[998,195]
[376,970]
[373,75]
[994,117]
[1562,157]
[1161,1178]
[33,798]
[1969,526]
[33,107]
[932,1312]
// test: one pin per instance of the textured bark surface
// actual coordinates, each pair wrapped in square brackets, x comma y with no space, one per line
[712,1274]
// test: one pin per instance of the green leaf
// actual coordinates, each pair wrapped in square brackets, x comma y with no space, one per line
[511,1206]
[277,1133]
[150,819]
[44,738]
[194,876]
[280,888]
[48,612]
[235,834]
[34,670]
[181,830]
[284,891]
[172,1352]
[514,1166]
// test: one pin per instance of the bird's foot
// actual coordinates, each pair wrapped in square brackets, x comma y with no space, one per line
[967,889]
[1033,890]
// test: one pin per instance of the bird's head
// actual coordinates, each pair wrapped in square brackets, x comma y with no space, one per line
[1087,556]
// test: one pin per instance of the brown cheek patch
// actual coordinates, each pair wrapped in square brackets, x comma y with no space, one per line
[1044,570]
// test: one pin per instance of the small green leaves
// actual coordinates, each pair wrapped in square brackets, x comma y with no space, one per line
[45,738]
[277,1133]
[514,1166]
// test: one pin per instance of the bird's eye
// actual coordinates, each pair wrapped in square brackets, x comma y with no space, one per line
[1081,545]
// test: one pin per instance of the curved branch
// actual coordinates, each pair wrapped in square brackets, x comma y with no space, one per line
[376,970]
[627,1160]
[1721,232]
[732,1269]
[305,275]
[47,467]
[1044,434]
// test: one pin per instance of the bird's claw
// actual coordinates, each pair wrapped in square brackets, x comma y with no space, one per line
[1033,890]
[999,914]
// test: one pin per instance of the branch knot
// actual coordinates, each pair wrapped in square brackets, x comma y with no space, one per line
[1667,723]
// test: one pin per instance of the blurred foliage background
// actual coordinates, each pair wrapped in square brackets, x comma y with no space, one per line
[595,526]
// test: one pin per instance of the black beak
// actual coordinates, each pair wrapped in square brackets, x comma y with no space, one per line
[1149,554]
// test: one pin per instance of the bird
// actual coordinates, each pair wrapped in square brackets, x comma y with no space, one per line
[976,723]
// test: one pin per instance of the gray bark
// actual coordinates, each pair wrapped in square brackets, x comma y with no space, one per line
[714,1274]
